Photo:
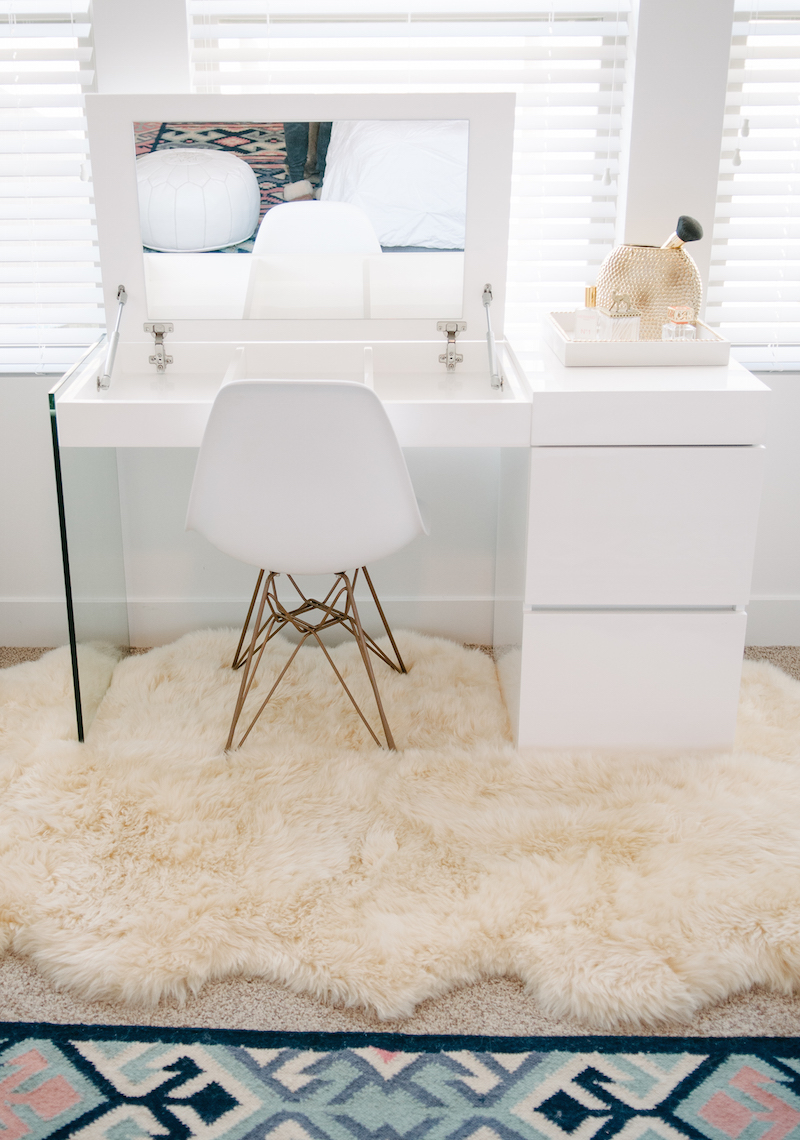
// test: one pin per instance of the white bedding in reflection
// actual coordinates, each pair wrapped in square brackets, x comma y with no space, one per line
[409,177]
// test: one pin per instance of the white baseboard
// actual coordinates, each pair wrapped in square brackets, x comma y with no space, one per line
[773,621]
[159,621]
[34,622]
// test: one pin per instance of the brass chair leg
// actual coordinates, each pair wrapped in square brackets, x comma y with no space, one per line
[279,617]
[383,619]
[365,657]
[248,673]
[236,661]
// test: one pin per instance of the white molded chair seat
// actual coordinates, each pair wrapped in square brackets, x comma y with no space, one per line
[303,477]
[316,227]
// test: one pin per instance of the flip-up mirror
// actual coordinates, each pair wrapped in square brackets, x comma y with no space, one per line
[387,216]
[344,220]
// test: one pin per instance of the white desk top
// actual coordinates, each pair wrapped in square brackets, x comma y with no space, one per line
[542,404]
[647,406]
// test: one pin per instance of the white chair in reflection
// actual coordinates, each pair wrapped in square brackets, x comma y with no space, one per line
[316,227]
[312,260]
[304,477]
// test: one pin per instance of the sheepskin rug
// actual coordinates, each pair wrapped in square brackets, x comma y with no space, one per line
[620,888]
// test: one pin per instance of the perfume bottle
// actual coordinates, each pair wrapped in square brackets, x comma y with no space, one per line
[619,320]
[585,327]
[680,325]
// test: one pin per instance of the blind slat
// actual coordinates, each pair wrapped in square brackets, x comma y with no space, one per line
[445,50]
[53,313]
[33,209]
[277,29]
[45,334]
[47,272]
[42,251]
[11,55]
[34,121]
[380,75]
[761,232]
[38,293]
[15,144]
[45,188]
[46,231]
[72,79]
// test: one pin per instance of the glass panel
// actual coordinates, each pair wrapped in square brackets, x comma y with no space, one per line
[92,551]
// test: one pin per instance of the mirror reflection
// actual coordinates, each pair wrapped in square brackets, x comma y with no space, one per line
[348,219]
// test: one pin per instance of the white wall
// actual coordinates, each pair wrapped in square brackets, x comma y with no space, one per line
[774,610]
[442,584]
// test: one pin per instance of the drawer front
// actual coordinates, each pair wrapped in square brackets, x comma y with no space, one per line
[629,680]
[642,526]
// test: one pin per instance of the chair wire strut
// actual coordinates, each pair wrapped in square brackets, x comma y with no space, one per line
[248,657]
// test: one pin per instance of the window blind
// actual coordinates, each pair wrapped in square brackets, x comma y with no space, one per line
[754,286]
[50,300]
[565,62]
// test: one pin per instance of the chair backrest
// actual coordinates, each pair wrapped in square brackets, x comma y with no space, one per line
[316,227]
[302,476]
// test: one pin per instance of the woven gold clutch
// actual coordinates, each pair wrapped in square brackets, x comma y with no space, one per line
[654,279]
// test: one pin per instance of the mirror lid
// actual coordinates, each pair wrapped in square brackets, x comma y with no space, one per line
[491,126]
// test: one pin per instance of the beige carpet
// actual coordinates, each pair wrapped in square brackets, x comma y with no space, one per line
[499,1005]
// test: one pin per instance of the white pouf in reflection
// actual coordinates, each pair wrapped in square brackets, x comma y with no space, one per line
[195,200]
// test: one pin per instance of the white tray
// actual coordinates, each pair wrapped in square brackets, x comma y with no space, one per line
[709,348]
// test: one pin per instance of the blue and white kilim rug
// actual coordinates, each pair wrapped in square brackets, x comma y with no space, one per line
[121,1083]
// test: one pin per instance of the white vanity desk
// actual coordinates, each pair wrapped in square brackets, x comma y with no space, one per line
[627,517]
[628,497]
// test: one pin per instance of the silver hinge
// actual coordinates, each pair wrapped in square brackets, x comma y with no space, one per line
[451,329]
[159,357]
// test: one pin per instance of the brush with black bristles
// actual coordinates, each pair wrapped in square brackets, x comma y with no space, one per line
[687,229]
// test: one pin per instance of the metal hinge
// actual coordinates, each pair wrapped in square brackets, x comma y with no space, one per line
[159,357]
[451,329]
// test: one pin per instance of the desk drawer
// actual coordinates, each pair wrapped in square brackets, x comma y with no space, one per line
[642,526]
[629,680]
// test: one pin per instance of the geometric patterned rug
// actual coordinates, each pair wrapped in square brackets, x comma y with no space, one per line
[121,1082]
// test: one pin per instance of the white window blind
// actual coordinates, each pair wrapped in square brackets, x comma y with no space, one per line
[566,63]
[50,301]
[754,286]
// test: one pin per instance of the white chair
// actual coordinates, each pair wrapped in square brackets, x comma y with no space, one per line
[316,227]
[303,477]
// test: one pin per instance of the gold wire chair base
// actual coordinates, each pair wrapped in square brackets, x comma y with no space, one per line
[249,656]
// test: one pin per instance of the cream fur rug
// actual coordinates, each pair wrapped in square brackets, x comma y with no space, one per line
[621,889]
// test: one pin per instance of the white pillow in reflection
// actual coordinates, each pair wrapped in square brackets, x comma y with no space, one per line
[195,199]
[409,178]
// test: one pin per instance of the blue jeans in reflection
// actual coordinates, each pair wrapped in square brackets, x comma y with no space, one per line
[296,135]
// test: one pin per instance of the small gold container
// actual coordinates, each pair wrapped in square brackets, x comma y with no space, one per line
[654,279]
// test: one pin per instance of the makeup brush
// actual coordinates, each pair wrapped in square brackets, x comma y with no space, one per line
[687,229]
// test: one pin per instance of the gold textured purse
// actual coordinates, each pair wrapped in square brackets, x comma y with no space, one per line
[654,279]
